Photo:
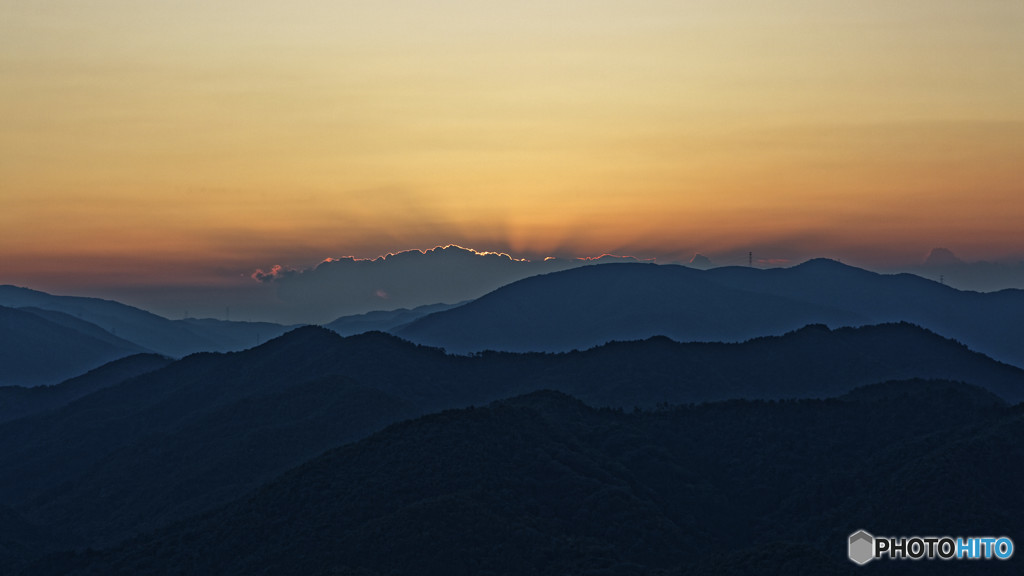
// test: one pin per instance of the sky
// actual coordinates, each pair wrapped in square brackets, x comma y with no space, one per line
[176,147]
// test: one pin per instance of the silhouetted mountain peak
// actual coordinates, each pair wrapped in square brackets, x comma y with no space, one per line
[942,257]
[828,266]
[700,261]
[382,343]
[926,391]
[12,290]
[903,327]
[810,329]
[311,336]
[319,345]
[550,403]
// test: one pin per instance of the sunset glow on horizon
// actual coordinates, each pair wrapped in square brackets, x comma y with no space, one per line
[193,143]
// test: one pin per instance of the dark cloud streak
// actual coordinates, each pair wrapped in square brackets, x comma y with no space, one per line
[450,274]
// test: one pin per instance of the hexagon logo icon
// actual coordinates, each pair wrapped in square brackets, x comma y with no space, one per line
[861,547]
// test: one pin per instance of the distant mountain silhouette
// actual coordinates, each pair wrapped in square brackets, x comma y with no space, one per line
[18,401]
[45,347]
[148,331]
[206,429]
[408,279]
[987,322]
[919,392]
[382,321]
[942,257]
[584,307]
[82,326]
[942,265]
[700,261]
[543,484]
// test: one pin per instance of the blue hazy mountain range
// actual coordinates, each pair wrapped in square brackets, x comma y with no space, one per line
[155,333]
[577,308]
[47,338]
[587,306]
[764,436]
[383,320]
[45,347]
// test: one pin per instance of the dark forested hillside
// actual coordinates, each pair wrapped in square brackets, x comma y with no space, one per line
[544,484]
[204,430]
[813,362]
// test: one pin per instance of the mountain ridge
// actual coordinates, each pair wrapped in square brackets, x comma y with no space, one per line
[175,338]
[19,401]
[584,307]
[211,426]
[45,349]
[544,484]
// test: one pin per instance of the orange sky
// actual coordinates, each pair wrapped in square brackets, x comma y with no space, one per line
[193,142]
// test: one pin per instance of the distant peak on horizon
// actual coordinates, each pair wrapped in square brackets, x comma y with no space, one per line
[822,261]
[942,257]
[700,261]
